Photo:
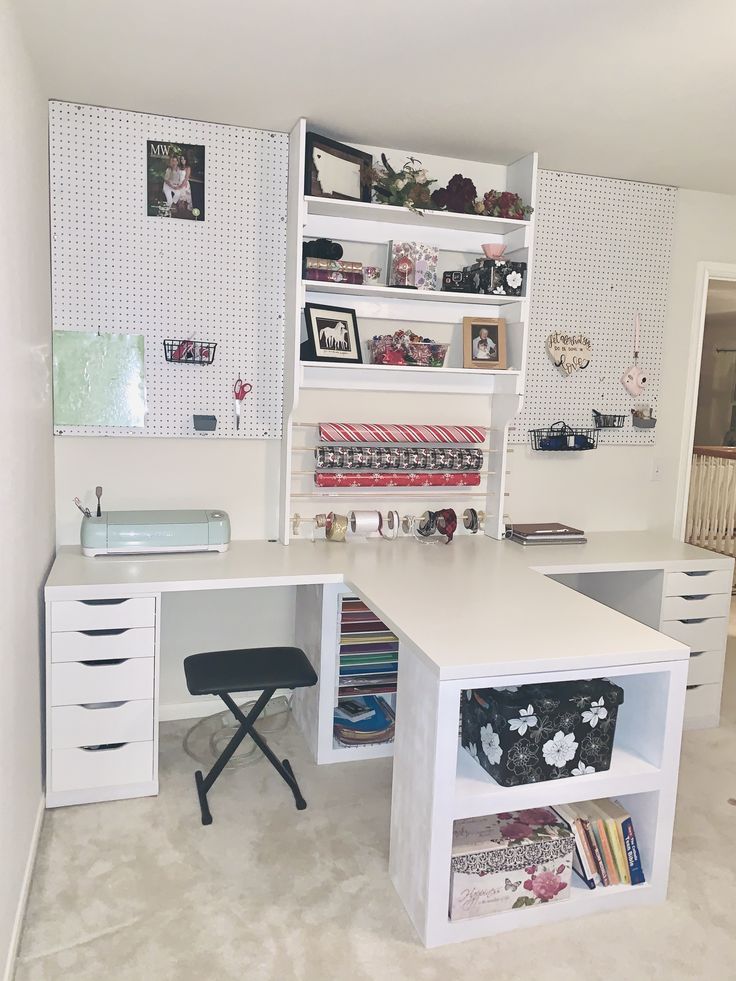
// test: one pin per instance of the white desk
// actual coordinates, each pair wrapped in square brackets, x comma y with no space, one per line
[467,615]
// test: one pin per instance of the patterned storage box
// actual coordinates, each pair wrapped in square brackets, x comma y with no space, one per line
[541,732]
[496,276]
[509,861]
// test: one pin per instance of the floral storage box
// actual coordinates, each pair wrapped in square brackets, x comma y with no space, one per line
[496,276]
[509,861]
[541,732]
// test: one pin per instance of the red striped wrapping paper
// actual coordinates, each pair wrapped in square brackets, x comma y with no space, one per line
[371,432]
[403,479]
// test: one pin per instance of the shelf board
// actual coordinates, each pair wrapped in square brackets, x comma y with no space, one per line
[393,293]
[401,378]
[477,793]
[366,211]
[580,902]
[373,751]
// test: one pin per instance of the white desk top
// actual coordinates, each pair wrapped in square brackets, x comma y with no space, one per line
[475,608]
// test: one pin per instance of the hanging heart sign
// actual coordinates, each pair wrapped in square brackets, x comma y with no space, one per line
[569,352]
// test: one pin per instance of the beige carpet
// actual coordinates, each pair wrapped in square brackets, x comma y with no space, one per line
[140,890]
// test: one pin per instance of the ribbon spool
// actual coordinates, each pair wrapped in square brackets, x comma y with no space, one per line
[364,522]
[427,524]
[320,520]
[470,520]
[337,528]
[446,521]
[407,523]
[389,528]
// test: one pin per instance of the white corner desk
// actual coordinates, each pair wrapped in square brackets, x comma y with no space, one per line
[477,613]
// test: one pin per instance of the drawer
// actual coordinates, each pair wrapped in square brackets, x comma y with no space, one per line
[80,682]
[81,769]
[697,583]
[103,645]
[100,614]
[691,607]
[101,722]
[706,667]
[699,635]
[702,705]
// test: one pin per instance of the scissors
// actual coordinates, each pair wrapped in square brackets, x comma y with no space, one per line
[240,390]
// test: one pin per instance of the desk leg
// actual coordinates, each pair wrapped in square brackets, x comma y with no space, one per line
[423,795]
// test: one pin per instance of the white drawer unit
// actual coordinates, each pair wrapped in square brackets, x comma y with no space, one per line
[691,607]
[706,667]
[107,644]
[79,682]
[699,634]
[697,583]
[139,611]
[84,769]
[101,722]
[702,705]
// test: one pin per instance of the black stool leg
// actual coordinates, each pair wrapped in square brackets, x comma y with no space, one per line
[283,767]
[204,784]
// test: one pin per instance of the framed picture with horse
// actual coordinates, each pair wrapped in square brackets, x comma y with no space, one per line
[332,335]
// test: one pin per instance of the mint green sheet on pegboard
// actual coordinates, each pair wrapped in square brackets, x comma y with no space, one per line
[99,379]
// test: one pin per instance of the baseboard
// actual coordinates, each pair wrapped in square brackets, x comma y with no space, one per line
[20,911]
[205,706]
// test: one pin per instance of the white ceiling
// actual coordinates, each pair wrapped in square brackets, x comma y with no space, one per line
[642,89]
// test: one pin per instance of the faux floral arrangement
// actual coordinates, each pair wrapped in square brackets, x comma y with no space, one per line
[409,187]
[405,348]
[461,196]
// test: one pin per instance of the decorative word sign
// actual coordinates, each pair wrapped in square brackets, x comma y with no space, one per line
[569,352]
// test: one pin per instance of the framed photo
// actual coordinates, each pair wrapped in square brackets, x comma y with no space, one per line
[334,170]
[175,178]
[332,335]
[484,342]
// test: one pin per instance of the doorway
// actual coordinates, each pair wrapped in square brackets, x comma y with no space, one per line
[707,505]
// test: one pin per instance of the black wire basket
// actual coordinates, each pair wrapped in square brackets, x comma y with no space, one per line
[607,420]
[563,438]
[189,351]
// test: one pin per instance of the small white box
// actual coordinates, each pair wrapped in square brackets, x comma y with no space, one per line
[509,861]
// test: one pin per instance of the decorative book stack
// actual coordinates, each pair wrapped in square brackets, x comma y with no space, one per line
[606,849]
[333,271]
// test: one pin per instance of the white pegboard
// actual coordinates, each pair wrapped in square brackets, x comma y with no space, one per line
[602,252]
[221,279]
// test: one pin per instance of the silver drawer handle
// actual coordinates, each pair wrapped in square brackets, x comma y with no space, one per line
[696,653]
[695,620]
[100,663]
[693,687]
[103,747]
[701,596]
[93,706]
[707,572]
[104,602]
[107,632]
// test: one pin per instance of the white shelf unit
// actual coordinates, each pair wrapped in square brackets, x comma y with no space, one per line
[318,633]
[430,793]
[383,309]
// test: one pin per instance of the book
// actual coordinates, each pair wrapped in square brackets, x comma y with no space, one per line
[538,540]
[334,276]
[546,531]
[582,865]
[339,265]
[621,819]
[597,854]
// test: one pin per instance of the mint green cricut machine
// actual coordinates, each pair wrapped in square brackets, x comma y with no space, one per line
[147,532]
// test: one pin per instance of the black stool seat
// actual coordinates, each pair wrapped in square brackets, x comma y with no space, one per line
[263,669]
[248,670]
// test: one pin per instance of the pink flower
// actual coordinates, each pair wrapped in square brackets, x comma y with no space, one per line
[546,885]
[516,830]
[537,816]
[531,869]
[529,884]
[506,816]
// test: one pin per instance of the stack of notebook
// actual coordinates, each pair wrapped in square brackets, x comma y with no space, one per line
[547,533]
[606,850]
[362,721]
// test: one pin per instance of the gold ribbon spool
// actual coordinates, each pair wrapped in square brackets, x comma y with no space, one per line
[338,528]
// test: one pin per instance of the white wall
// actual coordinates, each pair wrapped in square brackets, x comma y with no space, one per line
[705,231]
[26,459]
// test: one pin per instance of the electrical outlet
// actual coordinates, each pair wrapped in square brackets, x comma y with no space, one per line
[657,470]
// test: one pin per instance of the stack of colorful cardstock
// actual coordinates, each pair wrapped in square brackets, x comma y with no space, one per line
[369,652]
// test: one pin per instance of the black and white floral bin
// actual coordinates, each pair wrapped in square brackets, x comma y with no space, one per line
[541,732]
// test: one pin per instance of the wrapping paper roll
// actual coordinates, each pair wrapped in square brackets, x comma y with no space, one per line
[341,479]
[370,432]
[397,458]
[364,522]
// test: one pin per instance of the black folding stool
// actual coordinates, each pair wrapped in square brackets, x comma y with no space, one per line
[256,669]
